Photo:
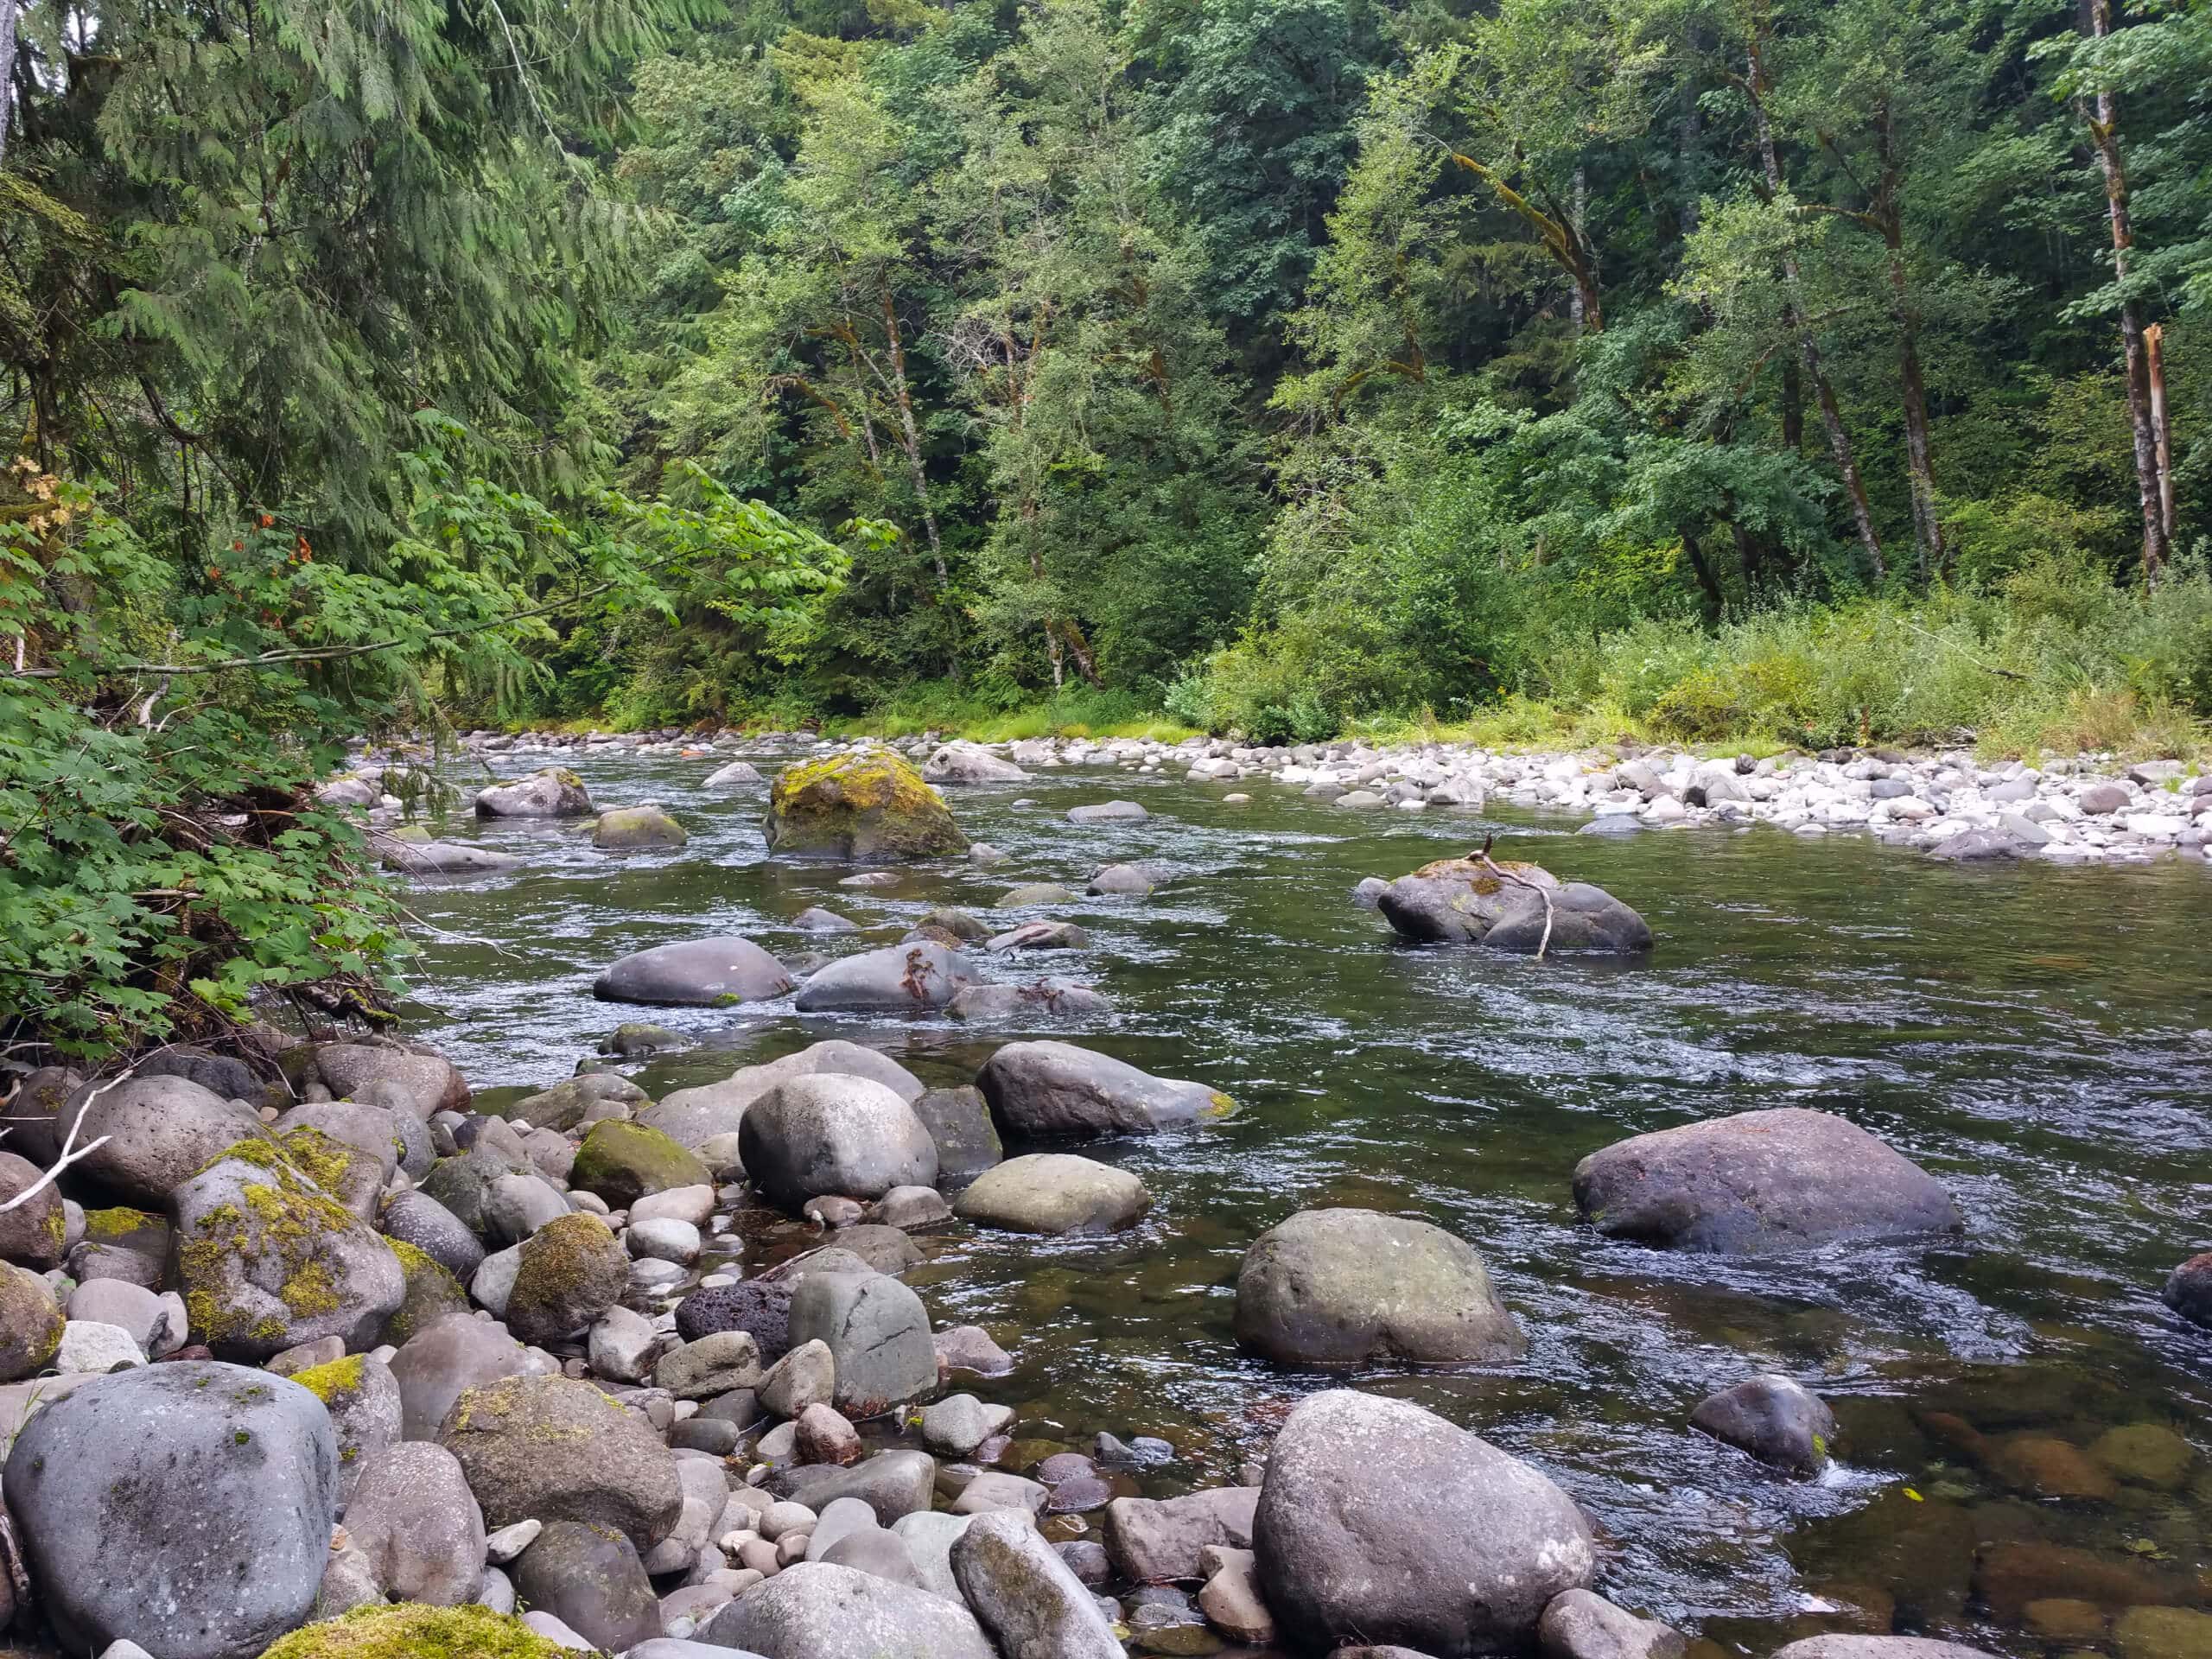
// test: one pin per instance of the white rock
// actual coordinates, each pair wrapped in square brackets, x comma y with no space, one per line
[87,1345]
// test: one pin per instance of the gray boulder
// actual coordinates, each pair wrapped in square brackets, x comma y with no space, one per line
[1459,901]
[695,973]
[553,793]
[436,1366]
[828,1134]
[418,1219]
[893,1485]
[549,1449]
[185,1507]
[1032,1605]
[1108,812]
[1880,1647]
[267,1260]
[818,1610]
[460,858]
[1582,1624]
[1341,1286]
[412,1514]
[571,1271]
[1045,1090]
[35,1232]
[159,1133]
[912,978]
[367,1411]
[960,763]
[959,1121]
[878,1334]
[591,1578]
[738,774]
[1380,1522]
[1054,1192]
[414,1077]
[636,829]
[1049,998]
[1773,1418]
[694,1116]
[1760,1183]
[1159,1541]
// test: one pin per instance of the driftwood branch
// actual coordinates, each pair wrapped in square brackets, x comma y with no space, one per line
[1481,855]
[70,1152]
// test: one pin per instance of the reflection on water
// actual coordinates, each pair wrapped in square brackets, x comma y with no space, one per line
[2025,1421]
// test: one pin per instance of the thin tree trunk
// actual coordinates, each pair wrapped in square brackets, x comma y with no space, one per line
[911,437]
[1702,568]
[1793,407]
[1808,351]
[7,73]
[2104,132]
[2162,434]
[1576,306]
[1920,472]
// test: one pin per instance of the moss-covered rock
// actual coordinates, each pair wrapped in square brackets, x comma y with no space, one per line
[431,1293]
[34,1233]
[623,1162]
[571,1270]
[865,803]
[636,829]
[551,793]
[30,1324]
[409,1631]
[268,1259]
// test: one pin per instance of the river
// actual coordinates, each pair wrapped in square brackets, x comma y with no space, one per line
[2035,1036]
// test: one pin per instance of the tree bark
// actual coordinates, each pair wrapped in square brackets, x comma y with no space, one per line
[2162,434]
[910,436]
[1808,351]
[7,73]
[2103,118]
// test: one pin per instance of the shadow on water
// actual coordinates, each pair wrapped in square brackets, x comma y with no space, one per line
[2036,1036]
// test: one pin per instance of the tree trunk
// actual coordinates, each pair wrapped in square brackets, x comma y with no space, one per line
[1702,568]
[1578,307]
[1793,407]
[2162,434]
[1808,351]
[1920,473]
[7,73]
[2104,132]
[910,440]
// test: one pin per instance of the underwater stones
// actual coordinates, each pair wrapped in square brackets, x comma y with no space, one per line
[1464,901]
[695,973]
[1339,1287]
[1760,1183]
[866,804]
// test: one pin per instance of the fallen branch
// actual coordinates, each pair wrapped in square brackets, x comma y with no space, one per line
[71,1152]
[1481,855]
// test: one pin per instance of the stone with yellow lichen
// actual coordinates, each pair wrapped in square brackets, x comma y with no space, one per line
[865,804]
[571,1271]
[411,1630]
[267,1259]
[362,1396]
[30,1324]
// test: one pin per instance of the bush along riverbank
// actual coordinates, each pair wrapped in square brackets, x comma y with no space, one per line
[1947,803]
[432,1371]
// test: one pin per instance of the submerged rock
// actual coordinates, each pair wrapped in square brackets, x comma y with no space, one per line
[912,978]
[960,763]
[866,804]
[2188,1289]
[1380,1522]
[695,973]
[1339,1287]
[1776,1420]
[636,829]
[1054,1192]
[1760,1183]
[444,858]
[1459,901]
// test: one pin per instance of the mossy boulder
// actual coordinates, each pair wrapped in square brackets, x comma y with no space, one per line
[34,1233]
[572,1270]
[363,1398]
[636,829]
[409,1631]
[551,1448]
[553,792]
[30,1324]
[431,1293]
[268,1259]
[865,803]
[623,1162]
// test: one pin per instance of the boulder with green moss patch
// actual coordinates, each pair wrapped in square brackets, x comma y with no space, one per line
[865,803]
[623,1162]
[431,1293]
[34,1233]
[363,1398]
[636,829]
[30,1324]
[552,793]
[268,1259]
[411,1630]
[550,1448]
[572,1270]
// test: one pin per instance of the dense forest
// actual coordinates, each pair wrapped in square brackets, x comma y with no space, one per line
[1805,373]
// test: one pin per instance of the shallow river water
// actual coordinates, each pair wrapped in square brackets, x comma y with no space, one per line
[2039,1038]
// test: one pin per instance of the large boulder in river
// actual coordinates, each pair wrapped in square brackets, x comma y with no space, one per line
[1776,1419]
[555,792]
[267,1259]
[959,763]
[828,1134]
[158,1132]
[461,858]
[1341,1286]
[1464,901]
[1045,1090]
[636,829]
[818,1609]
[550,1448]
[917,978]
[184,1507]
[1054,1192]
[865,803]
[738,774]
[694,974]
[2188,1289]
[693,1116]
[1380,1523]
[1758,1183]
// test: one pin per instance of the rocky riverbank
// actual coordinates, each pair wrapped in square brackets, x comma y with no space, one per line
[2065,811]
